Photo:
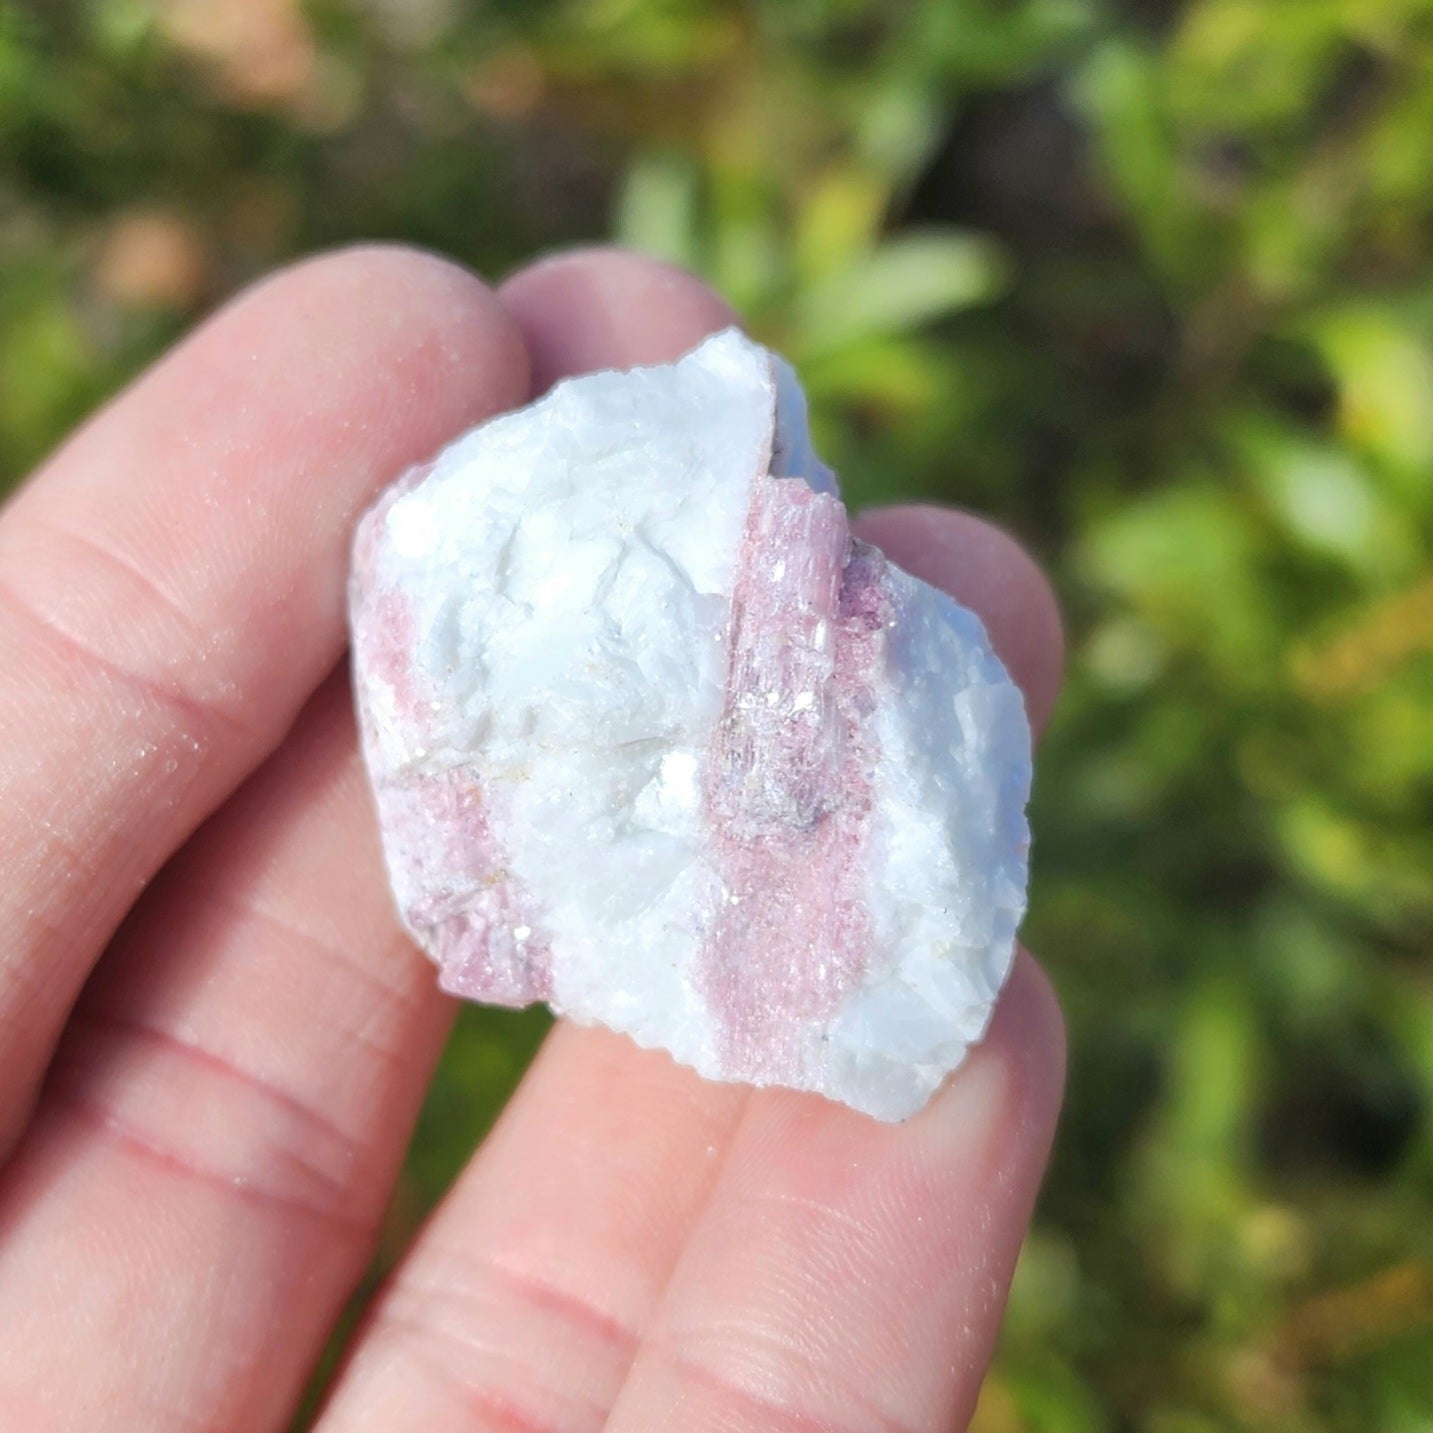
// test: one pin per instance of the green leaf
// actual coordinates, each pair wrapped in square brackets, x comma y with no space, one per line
[838,220]
[1121,93]
[657,208]
[908,282]
[1327,500]
[1188,558]
[1384,373]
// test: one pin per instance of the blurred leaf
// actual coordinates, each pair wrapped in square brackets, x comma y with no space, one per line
[484,1059]
[1056,1401]
[907,282]
[991,40]
[644,36]
[839,221]
[657,209]
[1121,89]
[44,363]
[1190,559]
[1326,500]
[898,126]
[1385,379]
[1237,66]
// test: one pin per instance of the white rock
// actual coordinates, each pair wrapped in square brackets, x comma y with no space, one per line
[654,740]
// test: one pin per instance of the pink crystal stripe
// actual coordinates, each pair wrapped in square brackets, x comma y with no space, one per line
[788,791]
[472,915]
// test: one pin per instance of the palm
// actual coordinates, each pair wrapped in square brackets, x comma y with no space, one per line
[199,1146]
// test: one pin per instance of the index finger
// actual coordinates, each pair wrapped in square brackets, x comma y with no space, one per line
[171,588]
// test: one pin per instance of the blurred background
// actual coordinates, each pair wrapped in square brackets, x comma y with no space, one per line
[1146,280]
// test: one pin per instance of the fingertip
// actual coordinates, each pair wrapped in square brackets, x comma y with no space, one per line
[456,319]
[1012,1082]
[1028,1035]
[593,308]
[984,568]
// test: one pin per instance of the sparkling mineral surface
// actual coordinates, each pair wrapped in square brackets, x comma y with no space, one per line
[653,739]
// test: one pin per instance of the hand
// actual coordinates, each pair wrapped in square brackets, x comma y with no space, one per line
[199,1144]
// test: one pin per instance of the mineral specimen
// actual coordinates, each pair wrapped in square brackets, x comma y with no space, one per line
[653,739]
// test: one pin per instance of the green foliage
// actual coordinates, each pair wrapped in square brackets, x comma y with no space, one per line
[1147,281]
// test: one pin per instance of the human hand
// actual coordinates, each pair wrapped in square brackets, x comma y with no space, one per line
[199,1145]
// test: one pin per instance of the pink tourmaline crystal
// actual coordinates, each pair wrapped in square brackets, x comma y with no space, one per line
[655,740]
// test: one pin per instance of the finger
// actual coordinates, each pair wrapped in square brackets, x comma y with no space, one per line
[171,588]
[606,308]
[221,1126]
[522,1303]
[985,569]
[848,1275]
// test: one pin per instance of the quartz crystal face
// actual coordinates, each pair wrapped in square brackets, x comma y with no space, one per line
[653,739]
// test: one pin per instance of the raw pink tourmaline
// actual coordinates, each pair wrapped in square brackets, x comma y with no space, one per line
[788,792]
[654,739]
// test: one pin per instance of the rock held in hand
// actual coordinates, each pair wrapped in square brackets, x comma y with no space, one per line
[655,740]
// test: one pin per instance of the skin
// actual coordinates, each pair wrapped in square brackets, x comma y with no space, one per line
[214,1039]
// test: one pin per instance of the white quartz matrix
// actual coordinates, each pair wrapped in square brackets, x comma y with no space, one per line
[653,739]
